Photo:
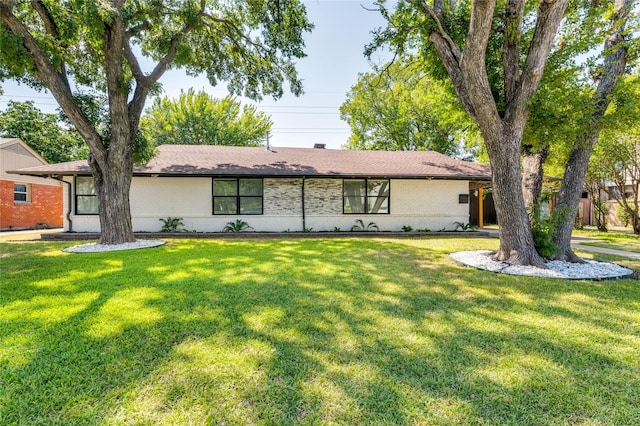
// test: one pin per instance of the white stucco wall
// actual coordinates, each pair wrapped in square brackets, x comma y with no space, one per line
[419,203]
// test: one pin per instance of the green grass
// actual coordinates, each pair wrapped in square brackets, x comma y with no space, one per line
[319,331]
[613,240]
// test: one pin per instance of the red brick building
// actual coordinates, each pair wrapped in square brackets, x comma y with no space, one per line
[27,201]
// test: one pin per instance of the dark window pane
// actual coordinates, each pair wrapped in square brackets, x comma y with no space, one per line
[18,187]
[85,185]
[225,187]
[378,205]
[251,187]
[250,205]
[87,204]
[354,187]
[19,196]
[378,187]
[354,204]
[224,205]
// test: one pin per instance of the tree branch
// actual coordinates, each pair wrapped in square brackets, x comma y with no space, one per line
[473,67]
[455,73]
[450,54]
[550,14]
[144,83]
[54,80]
[52,29]
[511,48]
[455,50]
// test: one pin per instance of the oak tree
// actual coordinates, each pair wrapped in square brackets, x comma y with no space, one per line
[44,133]
[199,119]
[121,48]
[398,107]
[612,68]
[495,59]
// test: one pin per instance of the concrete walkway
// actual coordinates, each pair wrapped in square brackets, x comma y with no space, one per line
[27,234]
[576,244]
[629,254]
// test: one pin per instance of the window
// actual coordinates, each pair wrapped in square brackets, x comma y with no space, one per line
[237,196]
[86,198]
[21,192]
[366,196]
[613,193]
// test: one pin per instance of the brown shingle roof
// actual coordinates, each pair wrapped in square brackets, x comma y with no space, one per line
[207,160]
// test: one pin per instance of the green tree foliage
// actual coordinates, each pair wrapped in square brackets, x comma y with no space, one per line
[400,108]
[616,158]
[44,133]
[118,50]
[199,119]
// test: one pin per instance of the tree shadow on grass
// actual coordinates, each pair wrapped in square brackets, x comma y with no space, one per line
[308,332]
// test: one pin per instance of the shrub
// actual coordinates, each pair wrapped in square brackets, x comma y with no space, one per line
[623,216]
[407,228]
[237,226]
[360,226]
[465,226]
[544,230]
[171,224]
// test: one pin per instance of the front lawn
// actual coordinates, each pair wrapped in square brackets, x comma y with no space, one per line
[317,331]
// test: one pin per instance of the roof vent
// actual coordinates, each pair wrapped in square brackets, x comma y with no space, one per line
[319,145]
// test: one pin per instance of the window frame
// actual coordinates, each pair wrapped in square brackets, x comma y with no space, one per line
[367,196]
[26,192]
[76,195]
[238,197]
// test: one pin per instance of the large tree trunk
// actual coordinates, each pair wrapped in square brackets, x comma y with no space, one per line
[576,170]
[112,182]
[501,129]
[516,241]
[533,174]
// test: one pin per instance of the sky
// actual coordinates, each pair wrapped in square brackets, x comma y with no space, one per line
[334,58]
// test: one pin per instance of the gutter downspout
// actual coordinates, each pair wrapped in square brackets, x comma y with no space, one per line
[68,213]
[304,218]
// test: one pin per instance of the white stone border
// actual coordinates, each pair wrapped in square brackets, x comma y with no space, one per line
[590,270]
[99,248]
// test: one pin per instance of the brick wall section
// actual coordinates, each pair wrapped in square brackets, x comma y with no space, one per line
[45,207]
[282,197]
[323,196]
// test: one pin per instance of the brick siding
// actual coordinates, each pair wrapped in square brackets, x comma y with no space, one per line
[323,196]
[46,206]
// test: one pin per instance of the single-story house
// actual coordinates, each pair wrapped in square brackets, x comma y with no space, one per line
[282,189]
[26,201]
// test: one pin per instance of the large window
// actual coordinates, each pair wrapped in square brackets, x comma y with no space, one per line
[237,196]
[21,192]
[366,196]
[86,198]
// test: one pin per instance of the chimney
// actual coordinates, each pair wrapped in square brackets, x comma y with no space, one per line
[319,145]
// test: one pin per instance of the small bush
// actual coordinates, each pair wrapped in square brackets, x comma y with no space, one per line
[171,224]
[544,230]
[623,216]
[360,226]
[237,226]
[465,226]
[407,228]
[337,229]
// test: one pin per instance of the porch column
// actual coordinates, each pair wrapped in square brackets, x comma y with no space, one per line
[480,208]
